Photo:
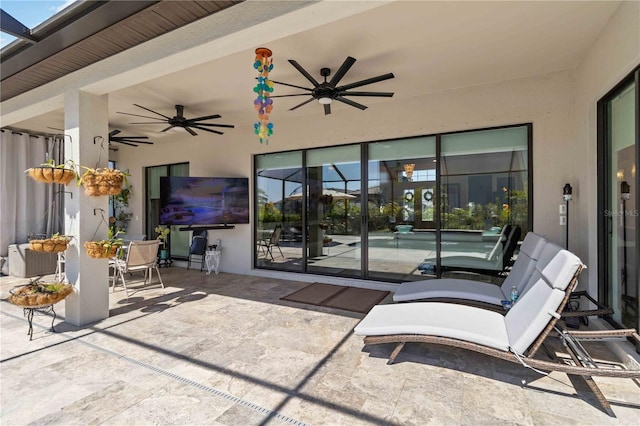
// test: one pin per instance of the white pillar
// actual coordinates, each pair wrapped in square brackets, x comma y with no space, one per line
[86,120]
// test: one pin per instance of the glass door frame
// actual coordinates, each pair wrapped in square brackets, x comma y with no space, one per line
[604,191]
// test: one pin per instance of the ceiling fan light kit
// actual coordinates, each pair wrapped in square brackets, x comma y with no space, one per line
[328,91]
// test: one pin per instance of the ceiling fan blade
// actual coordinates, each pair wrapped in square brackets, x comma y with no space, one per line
[346,65]
[138,115]
[206,117]
[294,94]
[132,141]
[190,131]
[299,105]
[206,130]
[126,143]
[113,133]
[150,110]
[150,122]
[304,72]
[168,128]
[230,126]
[327,109]
[365,82]
[291,85]
[350,102]
[381,94]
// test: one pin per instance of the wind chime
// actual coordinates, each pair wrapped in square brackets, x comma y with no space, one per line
[263,103]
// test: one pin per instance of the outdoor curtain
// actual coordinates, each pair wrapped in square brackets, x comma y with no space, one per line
[26,206]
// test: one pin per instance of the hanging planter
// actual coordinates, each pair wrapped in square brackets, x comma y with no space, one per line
[102,181]
[39,294]
[49,172]
[104,249]
[55,244]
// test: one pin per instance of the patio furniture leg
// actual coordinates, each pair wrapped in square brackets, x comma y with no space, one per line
[395,352]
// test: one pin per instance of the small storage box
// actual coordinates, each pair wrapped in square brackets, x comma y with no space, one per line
[25,263]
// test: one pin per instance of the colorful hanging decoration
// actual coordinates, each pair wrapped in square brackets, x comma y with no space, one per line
[263,103]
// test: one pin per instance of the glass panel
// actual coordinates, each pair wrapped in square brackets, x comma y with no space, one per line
[401,197]
[622,210]
[484,196]
[333,211]
[179,241]
[278,211]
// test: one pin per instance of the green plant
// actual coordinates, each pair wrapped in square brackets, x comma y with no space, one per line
[163,233]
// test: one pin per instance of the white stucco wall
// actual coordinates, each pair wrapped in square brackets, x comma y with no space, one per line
[546,101]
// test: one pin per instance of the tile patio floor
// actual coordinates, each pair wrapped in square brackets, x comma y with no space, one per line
[225,350]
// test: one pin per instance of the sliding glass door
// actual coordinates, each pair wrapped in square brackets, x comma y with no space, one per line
[333,213]
[485,198]
[619,136]
[178,240]
[279,225]
[401,208]
[396,210]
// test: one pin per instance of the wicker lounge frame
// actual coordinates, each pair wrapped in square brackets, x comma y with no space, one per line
[582,364]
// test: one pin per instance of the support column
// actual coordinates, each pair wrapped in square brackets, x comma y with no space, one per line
[86,117]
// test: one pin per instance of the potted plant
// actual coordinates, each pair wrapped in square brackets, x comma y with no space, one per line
[163,234]
[38,293]
[102,181]
[57,243]
[50,172]
[104,249]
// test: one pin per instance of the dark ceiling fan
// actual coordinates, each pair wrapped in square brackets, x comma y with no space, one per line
[327,91]
[179,120]
[127,140]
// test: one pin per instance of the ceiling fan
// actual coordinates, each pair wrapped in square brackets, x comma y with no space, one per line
[127,140]
[328,91]
[179,120]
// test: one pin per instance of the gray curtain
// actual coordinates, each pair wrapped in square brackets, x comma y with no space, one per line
[27,206]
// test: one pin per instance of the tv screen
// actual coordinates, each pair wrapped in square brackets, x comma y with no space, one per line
[204,200]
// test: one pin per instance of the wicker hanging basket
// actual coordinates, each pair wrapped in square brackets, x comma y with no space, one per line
[102,181]
[39,294]
[52,175]
[101,249]
[50,245]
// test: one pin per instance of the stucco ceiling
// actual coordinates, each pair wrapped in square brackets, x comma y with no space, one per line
[431,47]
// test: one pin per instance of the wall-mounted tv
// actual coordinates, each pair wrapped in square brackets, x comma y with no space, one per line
[204,200]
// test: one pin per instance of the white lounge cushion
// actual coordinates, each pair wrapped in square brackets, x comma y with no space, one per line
[449,288]
[524,267]
[531,314]
[561,269]
[460,322]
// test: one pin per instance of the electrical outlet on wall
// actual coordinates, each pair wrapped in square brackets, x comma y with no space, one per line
[563,220]
[562,209]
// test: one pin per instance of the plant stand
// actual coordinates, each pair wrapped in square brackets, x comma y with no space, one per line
[40,310]
[164,262]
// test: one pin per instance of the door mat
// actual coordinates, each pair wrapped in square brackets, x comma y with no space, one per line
[352,299]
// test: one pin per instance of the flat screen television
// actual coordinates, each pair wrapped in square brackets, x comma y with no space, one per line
[204,200]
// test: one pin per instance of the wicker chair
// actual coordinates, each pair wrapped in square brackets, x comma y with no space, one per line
[141,256]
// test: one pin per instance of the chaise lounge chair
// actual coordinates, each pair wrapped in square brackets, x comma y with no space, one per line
[515,337]
[451,288]
[495,262]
